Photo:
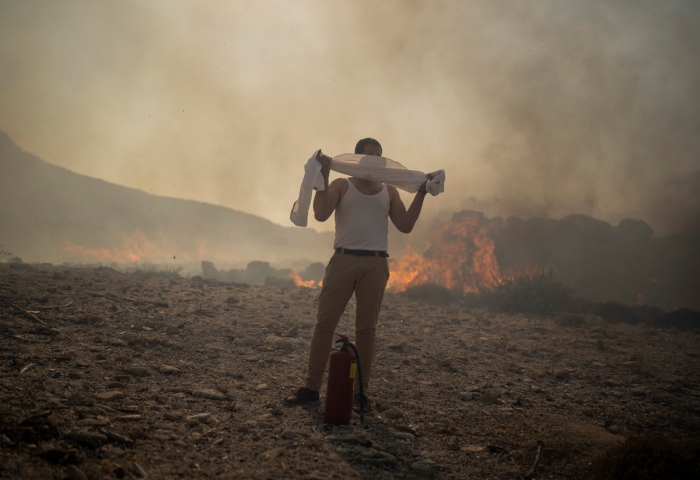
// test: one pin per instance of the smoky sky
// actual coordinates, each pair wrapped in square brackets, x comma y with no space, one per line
[533,108]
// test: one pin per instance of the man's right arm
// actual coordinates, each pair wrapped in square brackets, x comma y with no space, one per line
[325,201]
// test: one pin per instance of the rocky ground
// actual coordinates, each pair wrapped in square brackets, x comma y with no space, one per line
[107,374]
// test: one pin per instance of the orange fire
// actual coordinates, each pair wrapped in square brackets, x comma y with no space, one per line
[461,258]
[136,248]
[300,282]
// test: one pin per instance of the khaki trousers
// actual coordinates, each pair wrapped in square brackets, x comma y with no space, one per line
[345,274]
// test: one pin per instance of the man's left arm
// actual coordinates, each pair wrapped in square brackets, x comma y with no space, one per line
[404,220]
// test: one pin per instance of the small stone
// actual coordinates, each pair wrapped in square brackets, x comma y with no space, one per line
[137,371]
[110,395]
[274,453]
[261,387]
[193,420]
[422,468]
[116,342]
[472,449]
[466,396]
[490,395]
[562,375]
[393,414]
[133,417]
[74,473]
[289,435]
[86,438]
[174,416]
[100,357]
[80,400]
[292,332]
[638,392]
[168,370]
[209,394]
[404,436]
[232,300]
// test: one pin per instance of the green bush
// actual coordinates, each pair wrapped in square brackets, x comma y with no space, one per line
[532,290]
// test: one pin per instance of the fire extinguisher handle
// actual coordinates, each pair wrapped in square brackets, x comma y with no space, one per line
[343,338]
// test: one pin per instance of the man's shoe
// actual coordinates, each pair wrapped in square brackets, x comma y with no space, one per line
[356,403]
[303,395]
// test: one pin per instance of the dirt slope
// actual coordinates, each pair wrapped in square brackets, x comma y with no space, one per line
[113,375]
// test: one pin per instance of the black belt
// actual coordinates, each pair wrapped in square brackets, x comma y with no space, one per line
[362,253]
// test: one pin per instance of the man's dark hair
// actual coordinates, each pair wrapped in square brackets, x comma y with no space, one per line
[360,147]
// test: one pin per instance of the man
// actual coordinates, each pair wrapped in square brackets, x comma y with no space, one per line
[362,209]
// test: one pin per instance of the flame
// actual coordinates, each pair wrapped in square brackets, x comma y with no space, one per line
[460,257]
[136,248]
[300,282]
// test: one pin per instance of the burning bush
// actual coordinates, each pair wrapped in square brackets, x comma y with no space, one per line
[532,290]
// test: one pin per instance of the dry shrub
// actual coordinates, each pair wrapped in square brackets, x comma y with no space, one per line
[570,320]
[682,319]
[617,313]
[430,293]
[650,456]
[532,290]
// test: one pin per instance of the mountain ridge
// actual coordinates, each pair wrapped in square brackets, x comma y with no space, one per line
[50,213]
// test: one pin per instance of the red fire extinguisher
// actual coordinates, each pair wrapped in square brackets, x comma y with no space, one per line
[343,367]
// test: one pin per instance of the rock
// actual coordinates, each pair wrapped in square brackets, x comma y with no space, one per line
[562,375]
[110,395]
[86,438]
[274,453]
[466,396]
[193,420]
[292,332]
[279,343]
[261,387]
[404,436]
[210,394]
[116,342]
[80,400]
[168,370]
[98,421]
[289,435]
[174,416]
[422,468]
[74,473]
[137,371]
[472,449]
[133,417]
[393,414]
[490,395]
[232,300]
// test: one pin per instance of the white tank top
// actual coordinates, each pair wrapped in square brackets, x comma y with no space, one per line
[362,221]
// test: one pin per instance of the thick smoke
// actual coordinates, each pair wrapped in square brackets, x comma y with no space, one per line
[534,109]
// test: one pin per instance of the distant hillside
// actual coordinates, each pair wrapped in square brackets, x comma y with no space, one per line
[48,213]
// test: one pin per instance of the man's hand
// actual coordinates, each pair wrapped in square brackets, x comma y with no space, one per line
[423,188]
[324,160]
